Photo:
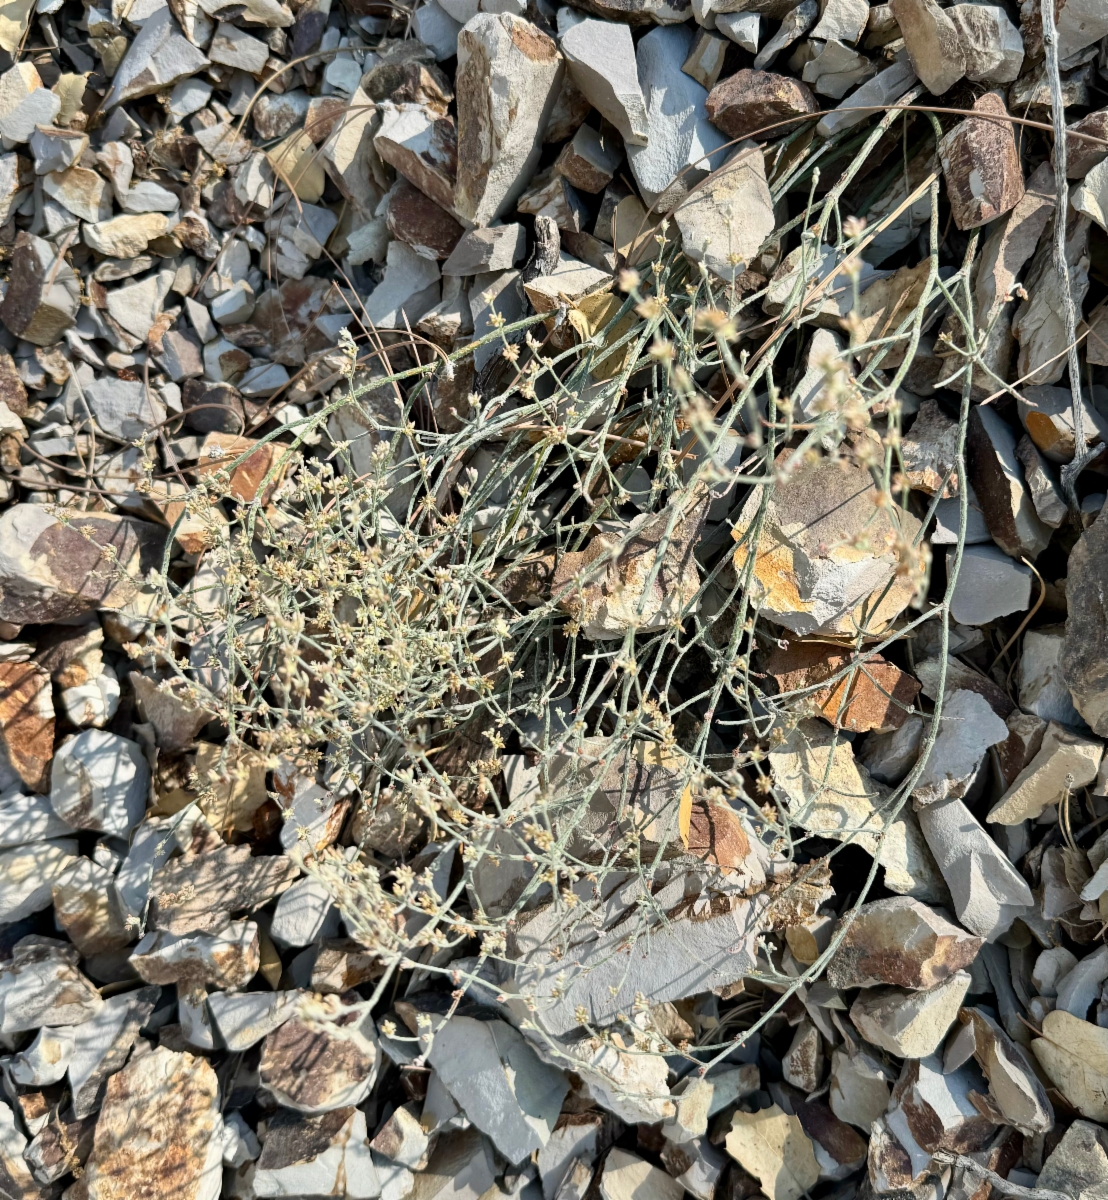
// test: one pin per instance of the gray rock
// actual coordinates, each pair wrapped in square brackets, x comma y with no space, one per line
[744,29]
[136,306]
[601,59]
[101,1046]
[990,585]
[86,907]
[402,1139]
[933,42]
[124,409]
[886,87]
[1042,483]
[910,1024]
[243,1019]
[41,985]
[100,781]
[967,728]
[158,58]
[500,1083]
[795,23]
[43,295]
[679,132]
[28,819]
[497,248]
[888,757]
[988,892]
[303,913]
[228,959]
[991,43]
[1084,662]
[1043,689]
[45,1060]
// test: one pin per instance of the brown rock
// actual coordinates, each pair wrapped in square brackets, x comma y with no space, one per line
[52,569]
[937,1109]
[212,407]
[877,697]
[422,146]
[982,165]
[845,1146]
[416,219]
[590,160]
[903,942]
[997,478]
[198,892]
[408,83]
[159,1132]
[222,452]
[312,1070]
[342,964]
[1082,154]
[27,722]
[933,43]
[12,391]
[1084,662]
[748,101]
[43,293]
[60,1147]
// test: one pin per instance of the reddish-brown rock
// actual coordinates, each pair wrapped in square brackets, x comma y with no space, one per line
[27,722]
[982,165]
[416,219]
[878,697]
[748,101]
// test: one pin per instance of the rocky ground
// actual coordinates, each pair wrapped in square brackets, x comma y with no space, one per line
[791,879]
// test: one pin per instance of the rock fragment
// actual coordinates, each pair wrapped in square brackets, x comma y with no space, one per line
[981,164]
[910,1024]
[1084,666]
[933,43]
[600,57]
[747,103]
[1066,760]
[994,471]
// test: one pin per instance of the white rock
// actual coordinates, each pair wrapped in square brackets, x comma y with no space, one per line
[235,305]
[102,1045]
[841,20]
[303,913]
[859,1091]
[1080,23]
[910,1024]
[679,132]
[500,1083]
[100,781]
[45,1060]
[56,149]
[835,69]
[93,703]
[724,224]
[507,81]
[601,60]
[1065,759]
[27,875]
[992,44]
[31,108]
[234,47]
[1081,985]
[308,1156]
[41,985]
[244,1018]
[626,1176]
[576,1141]
[25,819]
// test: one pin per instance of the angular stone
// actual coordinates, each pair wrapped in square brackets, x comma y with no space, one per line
[507,81]
[1084,153]
[888,757]
[27,874]
[158,58]
[680,134]
[626,1176]
[705,60]
[910,1024]
[842,20]
[137,306]
[726,221]
[1043,691]
[988,892]
[496,248]
[344,1062]
[342,964]
[27,723]
[1084,662]
[100,781]
[409,289]
[902,942]
[805,582]
[419,222]
[168,1104]
[878,696]
[600,57]
[859,1090]
[403,1140]
[43,294]
[244,1018]
[1015,1093]
[936,1111]
[994,471]
[885,88]
[87,908]
[24,104]
[228,959]
[197,892]
[990,585]
[125,236]
[1066,760]
[1042,483]
[1047,415]
[836,69]
[802,1065]
[102,1045]
[589,161]
[744,29]
[124,409]
[553,196]
[967,728]
[981,165]
[422,146]
[929,451]
[747,103]
[772,1146]
[674,957]
[795,23]
[991,43]
[304,911]
[933,43]
[323,1155]
[499,1082]
[41,985]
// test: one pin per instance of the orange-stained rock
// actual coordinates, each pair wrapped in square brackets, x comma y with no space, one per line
[877,697]
[27,722]
[220,450]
